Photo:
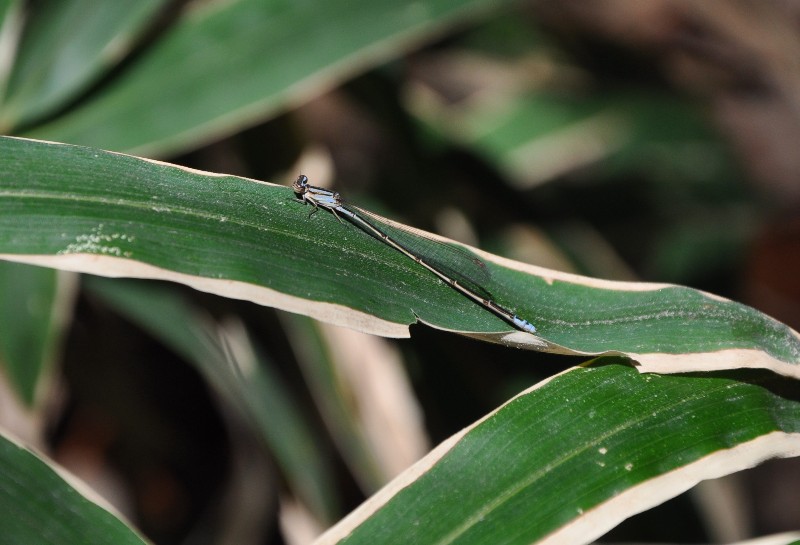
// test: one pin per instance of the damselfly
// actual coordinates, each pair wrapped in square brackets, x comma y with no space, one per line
[462,271]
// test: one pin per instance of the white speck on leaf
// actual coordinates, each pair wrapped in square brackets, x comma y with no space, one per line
[98,242]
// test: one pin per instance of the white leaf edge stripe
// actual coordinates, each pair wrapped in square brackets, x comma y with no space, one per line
[785,538]
[595,522]
[115,267]
[731,358]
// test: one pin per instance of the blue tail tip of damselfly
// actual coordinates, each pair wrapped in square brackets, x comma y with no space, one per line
[524,325]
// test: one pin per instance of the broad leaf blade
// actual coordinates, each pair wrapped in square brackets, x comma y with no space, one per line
[115,215]
[569,459]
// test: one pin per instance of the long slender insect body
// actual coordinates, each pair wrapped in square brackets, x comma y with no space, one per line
[331,200]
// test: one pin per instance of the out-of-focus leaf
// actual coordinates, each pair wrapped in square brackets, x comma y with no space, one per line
[535,137]
[10,29]
[38,506]
[243,377]
[230,64]
[66,45]
[30,325]
[363,396]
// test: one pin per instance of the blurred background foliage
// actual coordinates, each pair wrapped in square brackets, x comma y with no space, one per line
[652,141]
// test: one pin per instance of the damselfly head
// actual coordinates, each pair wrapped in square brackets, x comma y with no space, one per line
[300,185]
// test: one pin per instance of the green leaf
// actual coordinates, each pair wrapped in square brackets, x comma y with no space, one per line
[38,505]
[114,215]
[31,324]
[5,9]
[526,135]
[230,64]
[10,28]
[54,63]
[570,458]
